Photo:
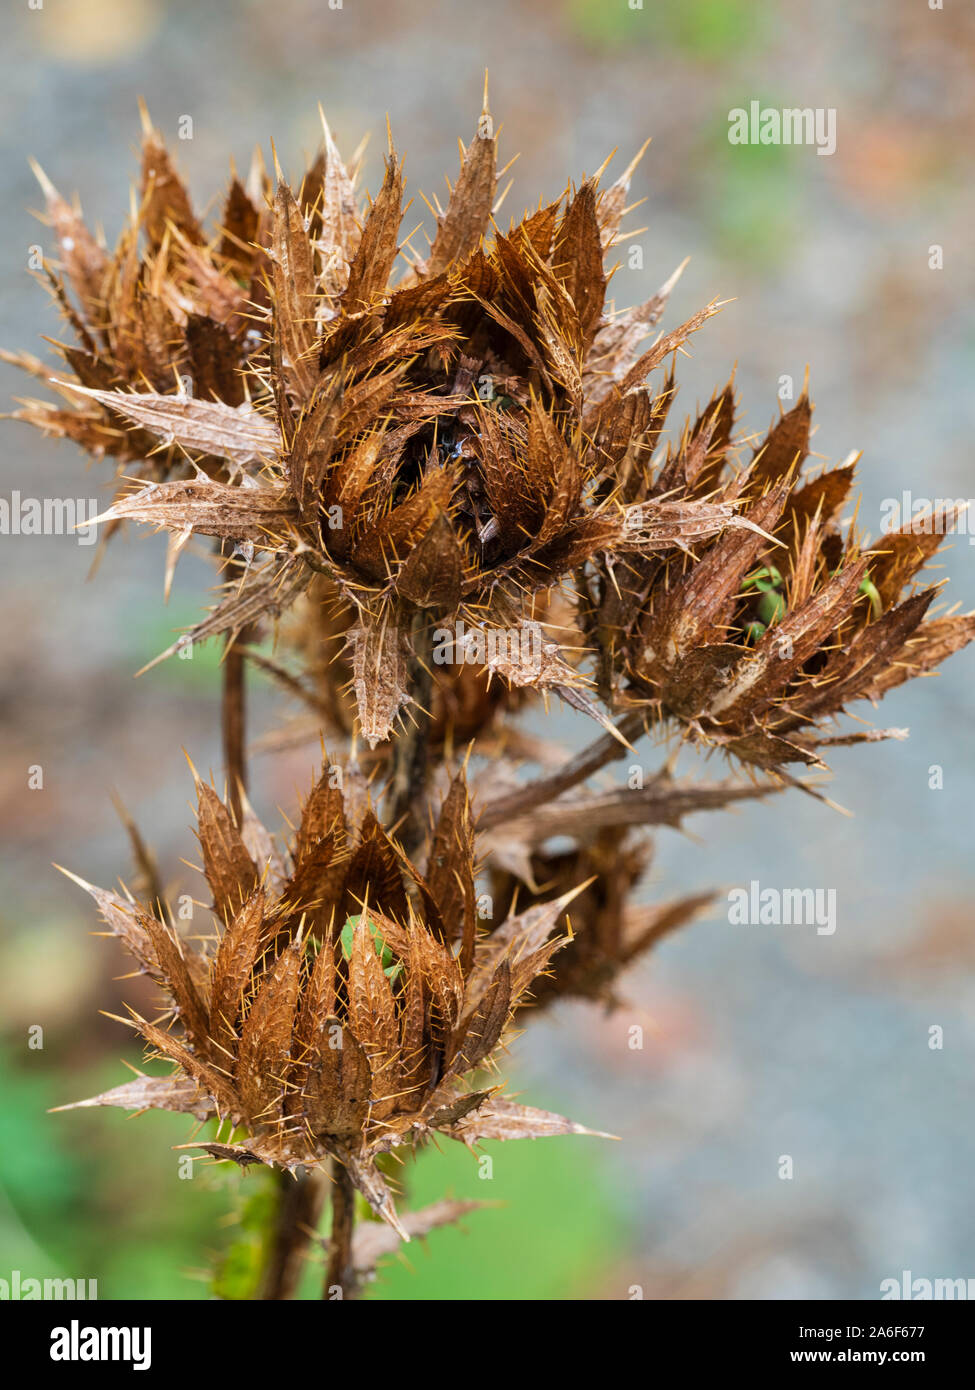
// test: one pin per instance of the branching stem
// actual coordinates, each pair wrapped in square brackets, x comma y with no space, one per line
[544,789]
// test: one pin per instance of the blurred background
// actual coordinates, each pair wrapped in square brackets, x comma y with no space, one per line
[758,1042]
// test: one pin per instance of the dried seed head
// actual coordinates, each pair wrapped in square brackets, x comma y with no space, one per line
[342,1010]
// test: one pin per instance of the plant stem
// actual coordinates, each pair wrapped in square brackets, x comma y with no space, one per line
[605,750]
[300,1201]
[300,1197]
[411,750]
[234,719]
[341,1271]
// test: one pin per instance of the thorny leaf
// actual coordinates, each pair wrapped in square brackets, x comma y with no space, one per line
[227,865]
[505,1119]
[380,654]
[236,958]
[294,294]
[264,1051]
[179,1093]
[236,433]
[461,227]
[374,259]
[373,1242]
[208,508]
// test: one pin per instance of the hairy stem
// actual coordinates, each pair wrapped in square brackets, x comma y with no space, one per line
[605,750]
[299,1206]
[340,1275]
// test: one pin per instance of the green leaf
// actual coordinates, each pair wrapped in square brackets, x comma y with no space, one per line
[391,966]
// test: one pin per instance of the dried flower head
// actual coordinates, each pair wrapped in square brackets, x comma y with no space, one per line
[437,445]
[345,1002]
[756,639]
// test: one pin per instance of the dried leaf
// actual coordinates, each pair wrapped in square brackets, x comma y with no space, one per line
[210,1081]
[372,1242]
[377,250]
[294,294]
[481,1032]
[179,1093]
[432,574]
[373,1014]
[263,593]
[237,433]
[578,260]
[380,655]
[235,960]
[85,261]
[450,869]
[785,445]
[127,921]
[338,1084]
[665,345]
[228,867]
[339,229]
[263,1056]
[172,966]
[165,200]
[257,514]
[460,229]
[504,1119]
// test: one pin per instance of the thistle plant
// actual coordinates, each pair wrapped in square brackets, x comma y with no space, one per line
[441,483]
